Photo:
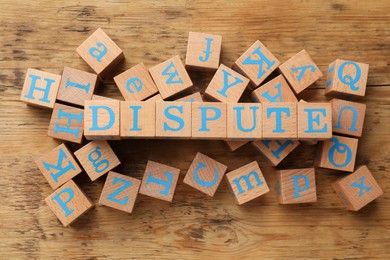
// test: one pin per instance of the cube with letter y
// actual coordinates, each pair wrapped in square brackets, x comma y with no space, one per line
[314,121]
[208,120]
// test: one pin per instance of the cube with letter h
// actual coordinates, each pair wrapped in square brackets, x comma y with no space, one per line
[208,120]
[244,121]
[314,121]
[138,119]
[275,90]
[275,150]
[173,119]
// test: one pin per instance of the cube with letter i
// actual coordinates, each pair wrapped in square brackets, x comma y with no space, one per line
[244,121]
[138,119]
[275,150]
[314,121]
[208,120]
[275,90]
[203,51]
[280,120]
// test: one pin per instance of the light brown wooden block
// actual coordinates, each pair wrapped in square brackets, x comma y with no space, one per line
[138,119]
[76,86]
[66,123]
[348,117]
[297,186]
[120,192]
[136,84]
[208,120]
[173,119]
[234,145]
[58,166]
[314,121]
[280,120]
[97,158]
[205,174]
[275,90]
[170,77]
[337,153]
[100,52]
[99,97]
[275,150]
[247,183]
[257,63]
[40,88]
[159,181]
[357,189]
[300,71]
[309,141]
[195,97]
[155,98]
[347,79]
[102,119]
[203,51]
[244,121]
[226,85]
[68,203]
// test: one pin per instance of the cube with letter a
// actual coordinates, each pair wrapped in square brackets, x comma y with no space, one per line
[275,90]
[138,119]
[208,120]
[280,120]
[314,121]
[244,121]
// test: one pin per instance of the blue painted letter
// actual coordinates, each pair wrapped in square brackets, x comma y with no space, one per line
[204,117]
[45,90]
[95,118]
[63,204]
[166,183]
[239,118]
[315,119]
[297,189]
[207,51]
[202,182]
[113,195]
[226,84]
[262,59]
[97,53]
[278,117]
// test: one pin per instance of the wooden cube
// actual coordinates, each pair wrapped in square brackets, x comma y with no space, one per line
[226,85]
[234,145]
[314,121]
[300,71]
[66,123]
[348,117]
[136,84]
[68,203]
[257,63]
[100,52]
[337,153]
[99,97]
[280,120]
[357,189]
[205,174]
[244,121]
[275,150]
[247,183]
[40,88]
[275,90]
[76,86]
[97,158]
[208,120]
[120,192]
[159,181]
[308,141]
[155,98]
[173,119]
[195,97]
[203,51]
[138,119]
[297,186]
[347,79]
[170,77]
[101,120]
[58,166]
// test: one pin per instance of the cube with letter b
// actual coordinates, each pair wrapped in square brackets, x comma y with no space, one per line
[280,120]
[314,121]
[173,119]
[244,121]
[138,119]
[208,120]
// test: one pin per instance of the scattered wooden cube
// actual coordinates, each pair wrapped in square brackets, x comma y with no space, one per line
[40,88]
[205,174]
[68,203]
[203,51]
[314,121]
[99,97]
[244,121]
[247,183]
[97,158]
[234,145]
[195,97]
[208,120]
[300,71]
[357,189]
[275,90]
[280,120]
[120,192]
[155,98]
[100,52]
[159,181]
[138,119]
[275,150]
[173,119]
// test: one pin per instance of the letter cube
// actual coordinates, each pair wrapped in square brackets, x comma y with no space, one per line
[244,121]
[208,120]
[234,145]
[275,150]
[138,119]
[314,121]
[195,97]
[155,98]
[275,90]
[280,120]
[173,119]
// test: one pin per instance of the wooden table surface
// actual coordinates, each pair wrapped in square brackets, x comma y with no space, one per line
[44,34]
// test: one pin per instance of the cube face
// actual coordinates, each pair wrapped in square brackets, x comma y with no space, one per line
[244,121]
[276,90]
[348,117]
[136,84]
[337,153]
[120,192]
[173,119]
[138,119]
[97,158]
[205,174]
[170,77]
[100,52]
[208,120]
[76,86]
[58,166]
[40,88]
[195,97]
[247,183]
[297,186]
[314,121]
[347,78]
[67,123]
[203,51]
[275,150]
[256,63]
[226,85]
[68,203]
[155,98]
[300,71]
[280,120]
[159,181]
[357,189]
